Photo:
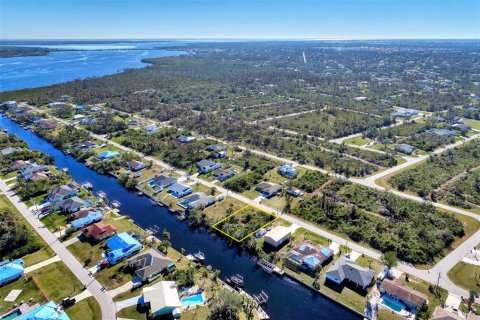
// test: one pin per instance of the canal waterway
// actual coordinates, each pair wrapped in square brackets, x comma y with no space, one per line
[287,299]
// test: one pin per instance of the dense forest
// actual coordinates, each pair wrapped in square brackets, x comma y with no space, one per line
[12,51]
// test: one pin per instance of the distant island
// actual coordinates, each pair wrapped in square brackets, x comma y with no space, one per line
[12,51]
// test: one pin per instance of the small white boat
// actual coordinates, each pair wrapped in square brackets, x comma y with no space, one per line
[87,186]
[101,194]
[140,193]
[65,170]
[116,204]
[199,256]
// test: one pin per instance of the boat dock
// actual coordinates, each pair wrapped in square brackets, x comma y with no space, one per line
[269,267]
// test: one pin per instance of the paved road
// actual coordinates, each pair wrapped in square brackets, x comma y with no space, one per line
[431,275]
[104,300]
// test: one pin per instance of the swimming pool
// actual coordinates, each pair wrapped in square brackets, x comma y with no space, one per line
[12,315]
[192,300]
[392,304]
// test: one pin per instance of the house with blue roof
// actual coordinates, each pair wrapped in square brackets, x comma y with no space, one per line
[49,311]
[11,271]
[85,221]
[105,155]
[179,190]
[288,171]
[122,245]
[308,257]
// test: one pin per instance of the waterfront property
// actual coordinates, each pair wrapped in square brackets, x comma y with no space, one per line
[11,270]
[179,190]
[161,182]
[277,236]
[69,205]
[19,164]
[197,200]
[61,192]
[121,246]
[268,189]
[345,271]
[49,311]
[150,264]
[31,169]
[288,171]
[402,295]
[162,299]
[206,166]
[86,221]
[98,231]
[308,257]
[135,165]
[106,155]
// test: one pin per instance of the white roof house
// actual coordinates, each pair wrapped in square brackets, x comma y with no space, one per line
[163,299]
[277,236]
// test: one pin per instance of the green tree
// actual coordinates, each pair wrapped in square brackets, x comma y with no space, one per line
[390,259]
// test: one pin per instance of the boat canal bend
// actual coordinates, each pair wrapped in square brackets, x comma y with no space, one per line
[287,298]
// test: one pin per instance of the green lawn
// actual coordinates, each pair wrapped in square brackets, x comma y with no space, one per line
[39,256]
[29,291]
[10,175]
[466,275]
[358,141]
[87,254]
[475,124]
[387,315]
[132,313]
[57,281]
[54,221]
[87,309]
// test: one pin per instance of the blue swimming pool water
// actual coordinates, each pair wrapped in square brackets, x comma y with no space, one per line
[12,315]
[192,300]
[392,304]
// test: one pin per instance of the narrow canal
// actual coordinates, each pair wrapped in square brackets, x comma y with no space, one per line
[288,299]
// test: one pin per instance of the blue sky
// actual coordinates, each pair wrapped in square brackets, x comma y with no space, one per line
[162,19]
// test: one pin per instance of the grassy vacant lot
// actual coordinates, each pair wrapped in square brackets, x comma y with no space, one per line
[29,291]
[244,222]
[87,309]
[57,281]
[54,221]
[475,124]
[132,312]
[223,208]
[358,141]
[466,275]
[87,254]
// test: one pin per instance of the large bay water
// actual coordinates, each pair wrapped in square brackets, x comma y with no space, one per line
[83,61]
[288,299]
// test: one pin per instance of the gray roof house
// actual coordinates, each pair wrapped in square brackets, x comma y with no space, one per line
[223,174]
[70,205]
[150,264]
[179,190]
[186,139]
[8,150]
[61,192]
[268,189]
[197,200]
[206,166]
[161,181]
[216,147]
[405,148]
[345,269]
[443,132]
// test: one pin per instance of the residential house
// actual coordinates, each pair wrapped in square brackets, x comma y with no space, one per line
[345,270]
[439,119]
[84,212]
[56,104]
[223,174]
[70,205]
[135,165]
[81,107]
[441,314]
[161,181]
[39,176]
[65,98]
[86,145]
[461,127]
[405,148]
[47,124]
[206,166]
[8,150]
[99,231]
[49,311]
[87,120]
[133,122]
[294,191]
[216,147]
[179,190]
[220,154]
[61,193]
[308,257]
[186,139]
[86,221]
[105,155]
[95,109]
[268,189]
[31,169]
[152,128]
[78,117]
[443,132]
[19,164]
[11,271]
[150,264]
[277,236]
[9,104]
[162,299]
[122,245]
[401,292]
[288,171]
[197,200]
